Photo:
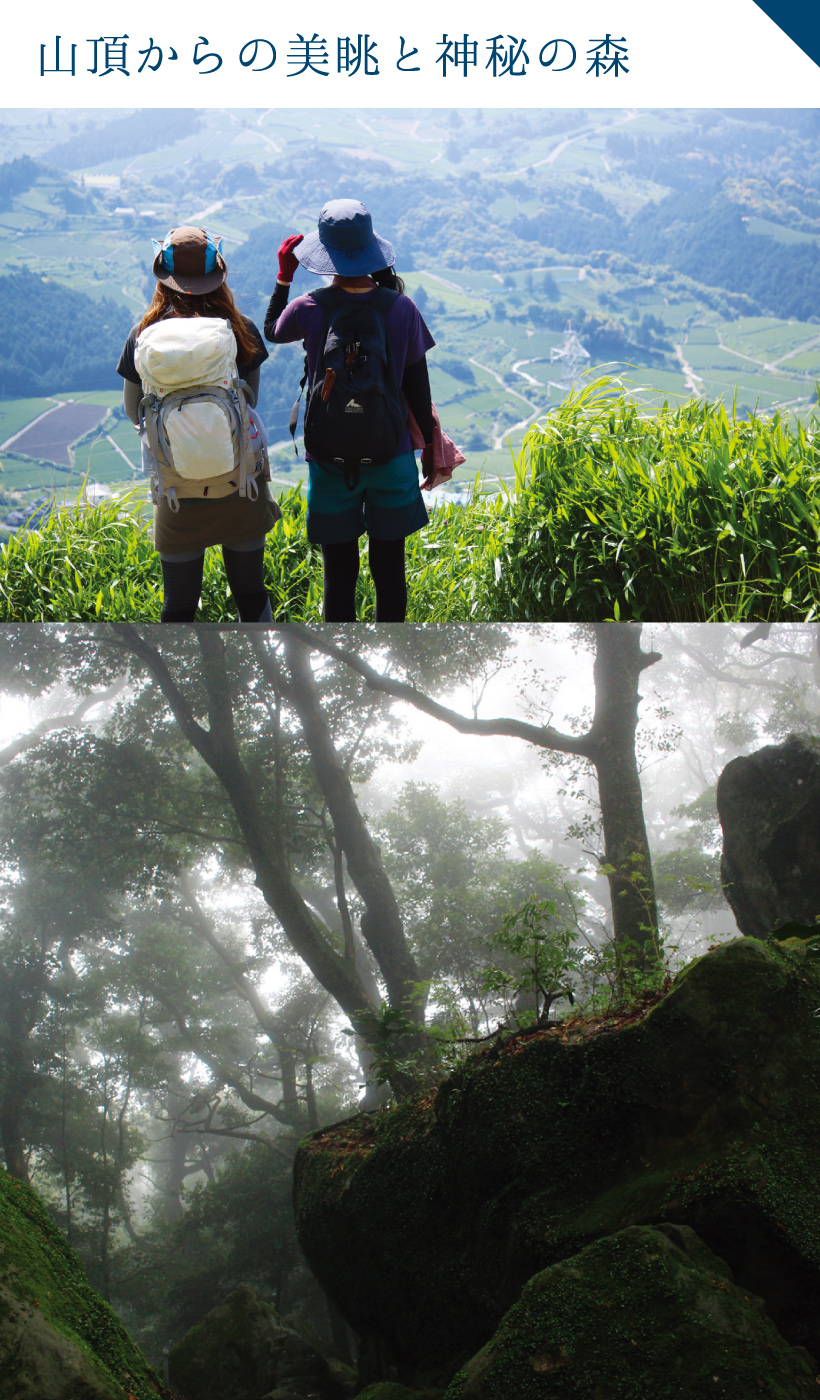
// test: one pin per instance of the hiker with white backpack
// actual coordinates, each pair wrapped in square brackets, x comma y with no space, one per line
[191,380]
[365,363]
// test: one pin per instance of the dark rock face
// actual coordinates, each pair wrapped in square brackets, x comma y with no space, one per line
[769,808]
[58,1339]
[40,1361]
[425,1222]
[646,1312]
[241,1351]
[393,1390]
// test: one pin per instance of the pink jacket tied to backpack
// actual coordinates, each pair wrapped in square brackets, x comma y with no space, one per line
[446,456]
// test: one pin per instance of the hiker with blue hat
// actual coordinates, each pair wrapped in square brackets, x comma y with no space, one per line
[191,380]
[365,363]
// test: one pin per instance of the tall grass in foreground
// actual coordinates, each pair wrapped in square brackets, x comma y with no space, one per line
[681,514]
[98,564]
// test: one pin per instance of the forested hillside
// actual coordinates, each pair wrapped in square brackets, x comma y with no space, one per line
[121,137]
[52,336]
[714,245]
[16,176]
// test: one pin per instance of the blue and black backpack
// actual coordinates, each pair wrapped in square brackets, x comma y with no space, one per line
[356,413]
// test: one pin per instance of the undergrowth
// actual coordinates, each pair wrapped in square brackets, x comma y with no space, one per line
[685,514]
[681,514]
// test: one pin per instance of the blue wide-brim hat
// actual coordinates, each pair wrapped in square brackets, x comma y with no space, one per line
[344,242]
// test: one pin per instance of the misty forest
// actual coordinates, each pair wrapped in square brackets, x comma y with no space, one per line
[425,932]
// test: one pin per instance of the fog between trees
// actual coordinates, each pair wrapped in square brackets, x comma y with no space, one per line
[222,850]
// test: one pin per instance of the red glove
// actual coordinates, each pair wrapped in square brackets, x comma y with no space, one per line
[288,262]
[427,463]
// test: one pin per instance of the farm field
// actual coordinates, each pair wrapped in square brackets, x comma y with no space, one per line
[16,414]
[49,437]
[28,480]
[55,450]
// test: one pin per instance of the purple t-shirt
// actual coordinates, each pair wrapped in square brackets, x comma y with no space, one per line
[410,339]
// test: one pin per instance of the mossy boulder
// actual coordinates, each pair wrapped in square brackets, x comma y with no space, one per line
[425,1222]
[242,1351]
[393,1390]
[769,808]
[645,1312]
[58,1339]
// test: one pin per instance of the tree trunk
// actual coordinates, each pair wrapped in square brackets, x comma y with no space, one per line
[310,1098]
[619,662]
[17,1082]
[266,845]
[344,1338]
[176,1170]
[381,923]
[290,1095]
[10,1130]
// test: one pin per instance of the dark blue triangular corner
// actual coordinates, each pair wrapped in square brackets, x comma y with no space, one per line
[800,19]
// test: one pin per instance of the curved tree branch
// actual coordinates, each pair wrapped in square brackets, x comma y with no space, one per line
[265,843]
[76,717]
[543,735]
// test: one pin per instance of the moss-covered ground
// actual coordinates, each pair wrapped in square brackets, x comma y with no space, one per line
[41,1274]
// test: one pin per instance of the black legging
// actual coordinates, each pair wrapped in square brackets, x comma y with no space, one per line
[341,569]
[182,584]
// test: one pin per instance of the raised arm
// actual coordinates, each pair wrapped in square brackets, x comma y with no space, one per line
[288,264]
[276,306]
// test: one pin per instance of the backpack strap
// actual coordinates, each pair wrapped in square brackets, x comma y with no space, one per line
[324,297]
[294,412]
[384,298]
[327,297]
[242,437]
[148,424]
[248,485]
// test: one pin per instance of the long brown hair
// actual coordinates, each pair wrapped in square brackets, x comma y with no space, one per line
[217,303]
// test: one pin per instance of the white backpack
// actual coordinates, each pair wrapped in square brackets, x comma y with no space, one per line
[200,438]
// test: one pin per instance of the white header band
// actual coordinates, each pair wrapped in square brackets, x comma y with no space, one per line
[599,53]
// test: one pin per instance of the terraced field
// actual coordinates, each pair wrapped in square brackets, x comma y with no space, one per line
[49,437]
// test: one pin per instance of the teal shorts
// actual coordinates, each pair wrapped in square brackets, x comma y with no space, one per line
[386,503]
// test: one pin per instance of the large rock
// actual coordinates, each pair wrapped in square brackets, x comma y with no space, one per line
[393,1390]
[58,1339]
[241,1351]
[425,1222]
[769,808]
[644,1313]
